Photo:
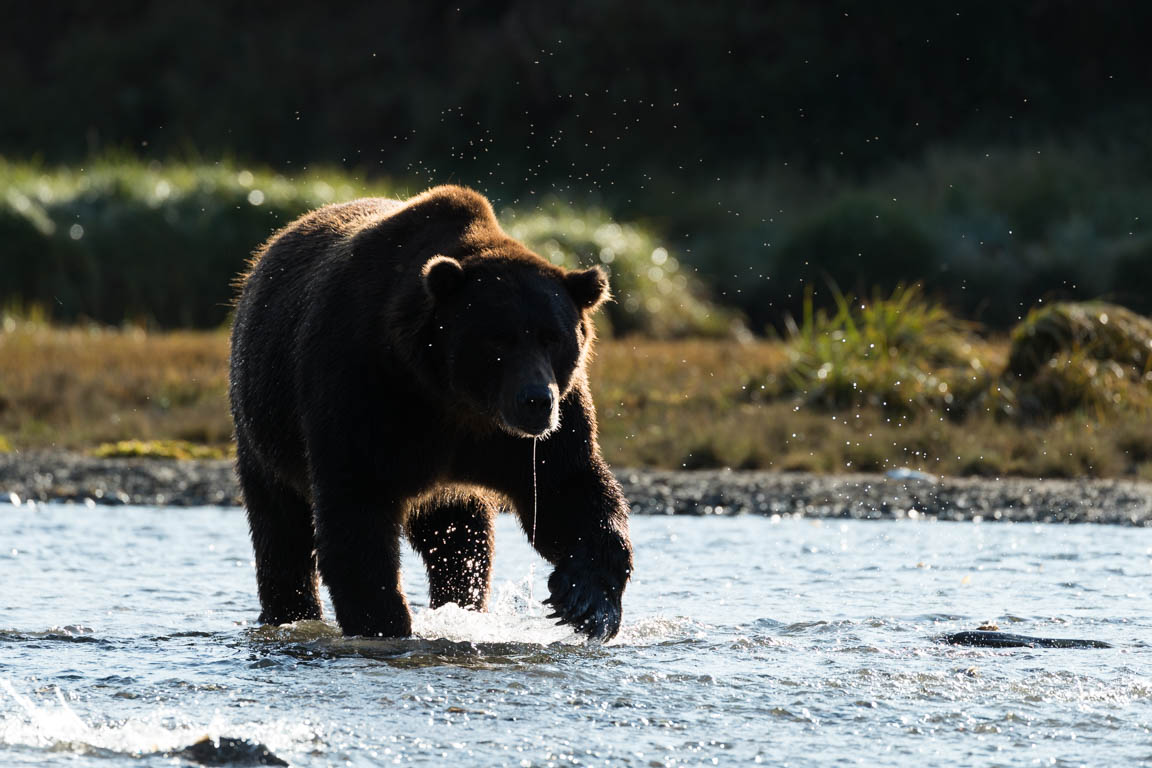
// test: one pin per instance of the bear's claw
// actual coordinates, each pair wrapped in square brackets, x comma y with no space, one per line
[584,601]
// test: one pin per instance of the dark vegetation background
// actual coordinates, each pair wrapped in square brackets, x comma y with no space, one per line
[735,165]
[997,152]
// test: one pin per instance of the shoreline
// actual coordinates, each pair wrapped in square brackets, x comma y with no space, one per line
[55,476]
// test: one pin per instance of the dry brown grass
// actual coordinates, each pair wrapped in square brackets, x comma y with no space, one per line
[661,404]
[81,386]
[699,404]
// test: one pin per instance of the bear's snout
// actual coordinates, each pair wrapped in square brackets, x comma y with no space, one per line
[535,397]
[535,411]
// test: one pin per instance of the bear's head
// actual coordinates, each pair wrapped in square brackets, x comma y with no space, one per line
[511,333]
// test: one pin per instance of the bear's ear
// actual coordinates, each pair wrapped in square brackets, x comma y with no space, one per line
[588,287]
[443,276]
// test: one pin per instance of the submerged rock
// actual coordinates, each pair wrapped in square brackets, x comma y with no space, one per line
[227,751]
[986,639]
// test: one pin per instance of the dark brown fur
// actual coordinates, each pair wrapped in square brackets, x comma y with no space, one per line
[391,363]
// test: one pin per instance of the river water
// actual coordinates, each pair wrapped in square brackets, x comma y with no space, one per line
[126,634]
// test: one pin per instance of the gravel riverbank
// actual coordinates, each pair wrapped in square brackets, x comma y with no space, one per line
[56,476]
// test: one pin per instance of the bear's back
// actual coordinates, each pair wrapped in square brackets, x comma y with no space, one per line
[270,308]
[314,233]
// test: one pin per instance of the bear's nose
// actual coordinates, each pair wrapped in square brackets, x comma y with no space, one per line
[535,397]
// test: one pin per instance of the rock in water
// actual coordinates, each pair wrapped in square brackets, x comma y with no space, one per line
[984,639]
[227,751]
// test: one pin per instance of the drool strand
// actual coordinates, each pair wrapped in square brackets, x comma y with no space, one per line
[532,536]
[533,539]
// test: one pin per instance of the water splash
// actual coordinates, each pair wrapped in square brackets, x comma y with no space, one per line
[42,726]
[451,622]
[58,728]
[513,615]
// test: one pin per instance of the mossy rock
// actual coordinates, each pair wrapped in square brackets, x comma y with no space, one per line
[158,449]
[1081,356]
[1095,329]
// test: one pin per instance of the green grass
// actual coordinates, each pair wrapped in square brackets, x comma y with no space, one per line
[901,354]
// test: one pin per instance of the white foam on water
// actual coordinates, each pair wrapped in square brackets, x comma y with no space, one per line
[654,630]
[56,727]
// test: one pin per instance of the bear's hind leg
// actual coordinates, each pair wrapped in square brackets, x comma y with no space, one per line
[280,522]
[453,534]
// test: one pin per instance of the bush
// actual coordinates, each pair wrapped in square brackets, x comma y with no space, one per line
[123,241]
[860,244]
[911,357]
[653,294]
[988,233]
[161,244]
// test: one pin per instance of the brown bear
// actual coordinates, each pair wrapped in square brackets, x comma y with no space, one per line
[393,367]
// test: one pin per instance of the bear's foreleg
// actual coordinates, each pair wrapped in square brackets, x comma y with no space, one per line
[358,552]
[572,509]
[453,535]
[582,529]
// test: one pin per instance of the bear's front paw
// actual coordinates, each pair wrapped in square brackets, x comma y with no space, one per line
[583,598]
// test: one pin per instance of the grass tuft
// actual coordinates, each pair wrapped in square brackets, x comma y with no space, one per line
[899,353]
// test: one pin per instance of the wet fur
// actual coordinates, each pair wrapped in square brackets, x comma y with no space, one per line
[360,417]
